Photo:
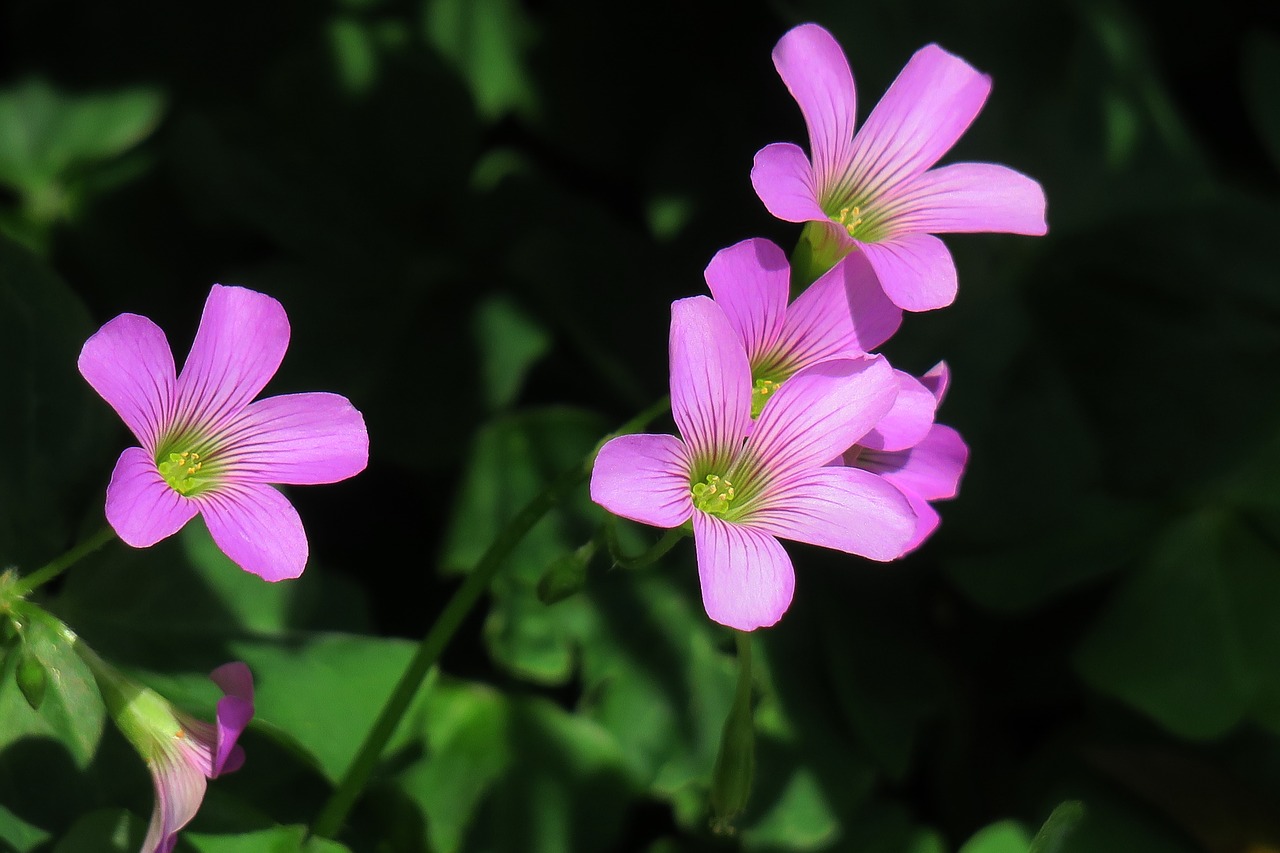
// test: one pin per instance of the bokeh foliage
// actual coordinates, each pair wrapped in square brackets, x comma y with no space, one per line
[476,215]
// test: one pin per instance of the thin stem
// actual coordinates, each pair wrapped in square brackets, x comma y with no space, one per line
[654,552]
[51,570]
[441,632]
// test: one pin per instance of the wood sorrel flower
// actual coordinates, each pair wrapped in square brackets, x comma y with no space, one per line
[181,752]
[875,191]
[922,459]
[206,448]
[744,492]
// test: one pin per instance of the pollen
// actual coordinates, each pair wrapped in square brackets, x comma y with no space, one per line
[760,394]
[850,218]
[714,495]
[182,471]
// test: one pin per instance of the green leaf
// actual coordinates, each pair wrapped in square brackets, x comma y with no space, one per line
[71,710]
[1058,827]
[103,831]
[487,42]
[510,344]
[19,835]
[280,839]
[1261,70]
[31,678]
[1007,836]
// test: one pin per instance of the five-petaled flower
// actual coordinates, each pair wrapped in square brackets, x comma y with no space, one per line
[205,446]
[875,191]
[743,484]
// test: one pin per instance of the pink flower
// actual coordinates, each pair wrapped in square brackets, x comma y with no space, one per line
[922,459]
[875,191]
[205,447]
[742,492]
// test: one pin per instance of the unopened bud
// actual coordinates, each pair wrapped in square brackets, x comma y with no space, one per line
[736,762]
[32,679]
[567,575]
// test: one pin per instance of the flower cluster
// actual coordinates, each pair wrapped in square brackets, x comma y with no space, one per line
[790,427]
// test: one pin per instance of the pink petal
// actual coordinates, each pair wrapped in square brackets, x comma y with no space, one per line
[180,788]
[750,281]
[129,363]
[784,181]
[843,313]
[241,341]
[710,380]
[815,70]
[747,579]
[927,521]
[929,106]
[931,469]
[257,528]
[915,270]
[141,507]
[910,419]
[818,413]
[300,439]
[644,478]
[937,380]
[235,710]
[846,509]
[970,197]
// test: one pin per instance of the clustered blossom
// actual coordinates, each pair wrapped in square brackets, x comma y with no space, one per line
[206,447]
[790,428]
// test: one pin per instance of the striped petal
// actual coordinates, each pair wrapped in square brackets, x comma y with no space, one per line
[129,363]
[747,579]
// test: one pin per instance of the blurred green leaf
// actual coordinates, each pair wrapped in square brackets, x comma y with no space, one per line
[486,41]
[19,835]
[510,343]
[1058,827]
[1007,836]
[103,831]
[281,839]
[1261,70]
[32,679]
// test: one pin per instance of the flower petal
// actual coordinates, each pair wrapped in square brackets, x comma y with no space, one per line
[710,380]
[784,181]
[846,509]
[644,478]
[241,341]
[180,788]
[299,439]
[937,380]
[750,281]
[915,270]
[141,507]
[927,521]
[970,197]
[844,313]
[910,419]
[818,413]
[813,66]
[257,528]
[235,710]
[747,579]
[931,469]
[129,363]
[927,108]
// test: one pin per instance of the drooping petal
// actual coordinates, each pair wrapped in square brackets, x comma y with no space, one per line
[910,419]
[710,380]
[815,70]
[846,509]
[257,528]
[927,521]
[241,341]
[843,313]
[129,363]
[141,507]
[644,478]
[932,469]
[818,413]
[751,281]
[180,788]
[235,710]
[298,439]
[783,179]
[915,270]
[747,579]
[970,197]
[937,379]
[927,108]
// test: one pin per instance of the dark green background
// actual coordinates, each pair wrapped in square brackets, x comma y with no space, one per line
[476,215]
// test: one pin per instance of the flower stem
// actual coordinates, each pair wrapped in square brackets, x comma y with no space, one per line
[52,569]
[441,632]
[654,552]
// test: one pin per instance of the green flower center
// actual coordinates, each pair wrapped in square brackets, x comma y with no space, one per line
[849,219]
[182,471]
[760,393]
[713,496]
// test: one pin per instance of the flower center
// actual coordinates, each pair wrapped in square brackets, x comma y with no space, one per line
[713,496]
[182,471]
[850,218]
[760,394]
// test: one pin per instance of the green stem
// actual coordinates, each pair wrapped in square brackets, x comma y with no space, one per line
[441,632]
[654,553]
[51,570]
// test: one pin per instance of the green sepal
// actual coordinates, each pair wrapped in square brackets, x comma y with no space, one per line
[816,252]
[567,575]
[736,761]
[32,679]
